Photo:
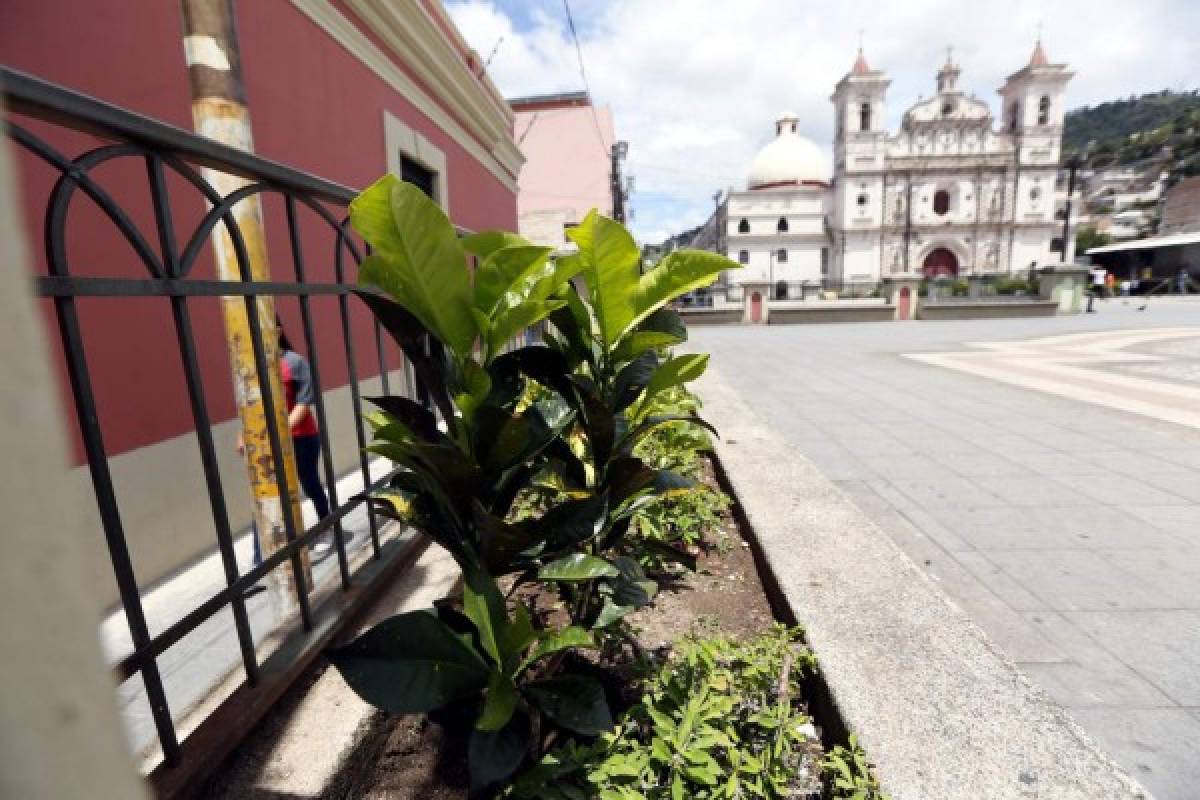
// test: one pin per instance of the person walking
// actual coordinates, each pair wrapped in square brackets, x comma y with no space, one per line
[300,393]
[1097,288]
[1181,280]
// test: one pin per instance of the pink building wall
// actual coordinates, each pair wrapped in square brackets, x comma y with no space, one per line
[567,159]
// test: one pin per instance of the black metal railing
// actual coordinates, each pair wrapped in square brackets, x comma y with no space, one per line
[164,150]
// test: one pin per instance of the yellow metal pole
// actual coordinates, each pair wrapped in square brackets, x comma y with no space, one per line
[219,112]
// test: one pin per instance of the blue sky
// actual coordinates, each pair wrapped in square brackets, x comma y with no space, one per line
[695,85]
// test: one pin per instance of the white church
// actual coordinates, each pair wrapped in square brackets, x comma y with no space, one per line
[952,193]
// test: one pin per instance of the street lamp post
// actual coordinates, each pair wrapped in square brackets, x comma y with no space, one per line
[1072,166]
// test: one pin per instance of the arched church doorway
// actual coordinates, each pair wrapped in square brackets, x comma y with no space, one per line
[940,263]
[756,308]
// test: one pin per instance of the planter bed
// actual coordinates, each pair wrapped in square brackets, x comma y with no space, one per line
[420,757]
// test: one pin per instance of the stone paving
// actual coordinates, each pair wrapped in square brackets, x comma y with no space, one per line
[1068,528]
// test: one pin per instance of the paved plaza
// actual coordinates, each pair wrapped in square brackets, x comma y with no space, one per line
[1044,472]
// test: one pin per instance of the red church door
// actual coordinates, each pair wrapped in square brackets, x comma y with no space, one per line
[756,307]
[940,263]
[905,302]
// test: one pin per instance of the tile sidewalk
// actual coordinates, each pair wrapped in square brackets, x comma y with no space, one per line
[1069,531]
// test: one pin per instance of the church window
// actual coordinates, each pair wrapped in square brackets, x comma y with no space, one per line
[744,226]
[824,260]
[782,225]
[1061,214]
[1044,111]
[1035,193]
[781,255]
[947,108]
[1013,114]
[1056,244]
[743,256]
[941,201]
[862,200]
[864,117]
[781,290]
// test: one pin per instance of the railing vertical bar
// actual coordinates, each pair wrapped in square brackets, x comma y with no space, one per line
[274,435]
[97,458]
[310,344]
[383,370]
[196,397]
[352,375]
[110,516]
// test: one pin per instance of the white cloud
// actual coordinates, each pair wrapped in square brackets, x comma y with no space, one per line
[696,84]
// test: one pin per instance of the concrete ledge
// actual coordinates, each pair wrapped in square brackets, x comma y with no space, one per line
[830,312]
[968,309]
[712,316]
[939,708]
[311,745]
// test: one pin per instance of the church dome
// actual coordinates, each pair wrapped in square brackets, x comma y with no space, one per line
[789,159]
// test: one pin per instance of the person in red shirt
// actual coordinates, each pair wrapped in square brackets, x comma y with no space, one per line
[306,439]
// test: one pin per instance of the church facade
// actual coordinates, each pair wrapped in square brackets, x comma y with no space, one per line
[953,192]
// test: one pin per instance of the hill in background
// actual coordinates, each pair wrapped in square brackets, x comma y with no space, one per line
[1137,131]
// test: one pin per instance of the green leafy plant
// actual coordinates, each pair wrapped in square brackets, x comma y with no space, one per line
[721,719]
[490,436]
[849,774]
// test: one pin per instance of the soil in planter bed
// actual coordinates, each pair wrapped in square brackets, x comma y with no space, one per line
[412,758]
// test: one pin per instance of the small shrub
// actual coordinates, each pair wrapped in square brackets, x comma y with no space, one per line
[720,719]
[849,774]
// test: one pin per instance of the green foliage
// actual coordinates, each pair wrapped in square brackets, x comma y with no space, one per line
[687,520]
[554,425]
[1015,286]
[849,774]
[721,719]
[1117,120]
[1088,237]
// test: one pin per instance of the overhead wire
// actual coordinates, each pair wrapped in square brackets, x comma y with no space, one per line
[604,146]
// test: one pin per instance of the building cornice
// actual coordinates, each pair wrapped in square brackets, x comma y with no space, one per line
[471,117]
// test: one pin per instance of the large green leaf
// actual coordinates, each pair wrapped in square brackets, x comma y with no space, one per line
[572,522]
[410,663]
[622,297]
[531,299]
[674,372]
[413,338]
[411,414]
[663,328]
[499,703]
[492,756]
[631,587]
[546,366]
[565,639]
[611,262]
[678,273]
[610,613]
[577,567]
[500,542]
[484,243]
[634,378]
[417,258]
[627,476]
[573,701]
[484,606]
[502,270]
